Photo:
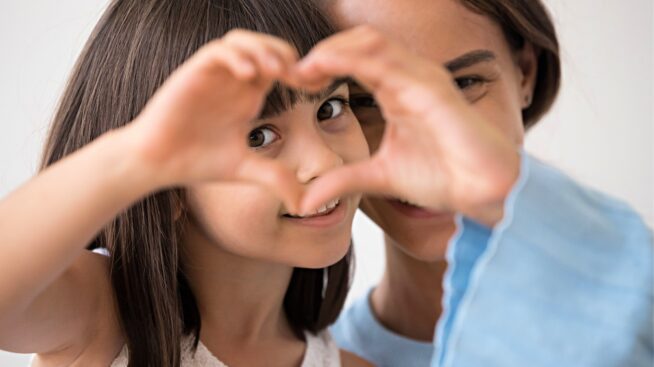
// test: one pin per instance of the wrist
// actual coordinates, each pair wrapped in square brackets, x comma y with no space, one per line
[127,163]
[490,210]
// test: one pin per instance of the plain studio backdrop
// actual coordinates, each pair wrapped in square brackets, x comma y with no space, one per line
[600,131]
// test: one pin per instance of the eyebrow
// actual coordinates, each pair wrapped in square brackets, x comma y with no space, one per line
[319,96]
[470,59]
[302,96]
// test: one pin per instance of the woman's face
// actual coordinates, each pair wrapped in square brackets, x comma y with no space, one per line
[494,79]
[246,220]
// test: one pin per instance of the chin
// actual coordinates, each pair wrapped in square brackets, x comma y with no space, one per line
[424,245]
[423,239]
[321,255]
[426,252]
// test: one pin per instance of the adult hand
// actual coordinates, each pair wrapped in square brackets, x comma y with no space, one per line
[436,152]
[195,128]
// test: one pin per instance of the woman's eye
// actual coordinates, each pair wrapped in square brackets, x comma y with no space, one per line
[467,82]
[472,87]
[331,109]
[262,137]
[365,101]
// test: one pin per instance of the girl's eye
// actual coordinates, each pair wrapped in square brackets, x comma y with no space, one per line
[332,109]
[262,137]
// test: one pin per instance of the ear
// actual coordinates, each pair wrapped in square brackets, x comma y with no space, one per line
[527,62]
[178,206]
[177,214]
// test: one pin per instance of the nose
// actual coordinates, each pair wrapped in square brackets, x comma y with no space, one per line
[316,157]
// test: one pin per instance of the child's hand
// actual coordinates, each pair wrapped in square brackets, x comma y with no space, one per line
[436,152]
[195,128]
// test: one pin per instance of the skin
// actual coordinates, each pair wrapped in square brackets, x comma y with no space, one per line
[57,300]
[240,247]
[408,298]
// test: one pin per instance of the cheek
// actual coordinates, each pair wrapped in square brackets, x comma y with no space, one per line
[372,124]
[501,109]
[374,132]
[240,218]
[352,145]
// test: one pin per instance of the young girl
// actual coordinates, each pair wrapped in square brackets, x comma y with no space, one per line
[204,266]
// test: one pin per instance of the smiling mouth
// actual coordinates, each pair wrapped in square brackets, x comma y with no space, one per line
[322,211]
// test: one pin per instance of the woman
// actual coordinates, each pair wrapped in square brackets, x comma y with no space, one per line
[542,234]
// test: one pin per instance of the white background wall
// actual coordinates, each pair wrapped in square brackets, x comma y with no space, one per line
[600,131]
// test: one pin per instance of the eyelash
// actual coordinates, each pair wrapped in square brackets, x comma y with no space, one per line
[346,105]
[262,128]
[356,101]
[345,101]
[475,79]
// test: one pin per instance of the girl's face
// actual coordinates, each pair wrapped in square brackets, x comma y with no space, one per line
[494,79]
[246,220]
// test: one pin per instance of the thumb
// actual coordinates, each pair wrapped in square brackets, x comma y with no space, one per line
[362,177]
[275,177]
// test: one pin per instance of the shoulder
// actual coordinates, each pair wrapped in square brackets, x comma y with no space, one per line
[546,197]
[355,325]
[91,326]
[357,315]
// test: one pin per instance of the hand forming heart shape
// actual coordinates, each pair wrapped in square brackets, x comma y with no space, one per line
[436,152]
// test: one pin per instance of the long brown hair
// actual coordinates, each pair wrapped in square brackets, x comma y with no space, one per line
[135,46]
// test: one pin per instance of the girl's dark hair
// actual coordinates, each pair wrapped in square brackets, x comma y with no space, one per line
[135,46]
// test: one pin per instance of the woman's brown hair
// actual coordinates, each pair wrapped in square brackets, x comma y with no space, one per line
[528,21]
[135,46]
[524,21]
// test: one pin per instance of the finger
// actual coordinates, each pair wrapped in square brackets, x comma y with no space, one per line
[268,63]
[371,72]
[354,37]
[310,87]
[284,49]
[218,55]
[273,56]
[365,54]
[361,177]
[274,176]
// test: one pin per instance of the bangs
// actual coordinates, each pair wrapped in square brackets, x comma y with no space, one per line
[282,98]
[300,23]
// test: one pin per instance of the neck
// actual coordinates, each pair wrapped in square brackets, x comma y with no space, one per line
[240,299]
[408,298]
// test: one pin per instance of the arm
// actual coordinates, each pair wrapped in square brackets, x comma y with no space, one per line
[50,287]
[565,278]
[45,226]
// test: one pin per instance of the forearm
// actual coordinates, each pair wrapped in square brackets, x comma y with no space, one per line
[47,222]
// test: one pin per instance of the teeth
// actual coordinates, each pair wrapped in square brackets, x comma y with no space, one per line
[327,207]
[323,209]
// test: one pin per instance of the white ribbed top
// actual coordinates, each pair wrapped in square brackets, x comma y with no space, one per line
[321,351]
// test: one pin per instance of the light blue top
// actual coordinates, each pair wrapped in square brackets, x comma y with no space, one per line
[565,279]
[358,331]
